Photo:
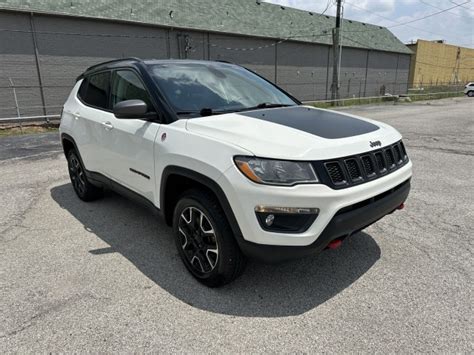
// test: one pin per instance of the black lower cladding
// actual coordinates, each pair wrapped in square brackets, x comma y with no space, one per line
[347,221]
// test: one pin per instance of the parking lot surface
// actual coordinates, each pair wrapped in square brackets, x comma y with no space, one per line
[105,276]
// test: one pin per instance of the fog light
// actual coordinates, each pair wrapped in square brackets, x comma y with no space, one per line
[285,219]
[269,220]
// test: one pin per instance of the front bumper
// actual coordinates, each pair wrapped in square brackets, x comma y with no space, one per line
[243,196]
[343,224]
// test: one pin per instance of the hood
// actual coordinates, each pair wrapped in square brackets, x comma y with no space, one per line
[296,133]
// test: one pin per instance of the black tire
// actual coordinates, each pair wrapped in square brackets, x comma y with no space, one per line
[83,188]
[470,93]
[208,248]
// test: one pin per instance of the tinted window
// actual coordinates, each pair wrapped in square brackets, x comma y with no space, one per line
[83,89]
[128,86]
[193,86]
[94,89]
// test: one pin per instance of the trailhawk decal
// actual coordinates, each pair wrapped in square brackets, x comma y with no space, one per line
[325,124]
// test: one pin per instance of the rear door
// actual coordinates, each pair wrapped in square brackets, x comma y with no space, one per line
[91,111]
[129,142]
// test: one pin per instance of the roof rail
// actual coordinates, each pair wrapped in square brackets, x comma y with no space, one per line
[113,61]
[223,61]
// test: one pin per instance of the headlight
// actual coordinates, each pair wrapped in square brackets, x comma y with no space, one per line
[276,172]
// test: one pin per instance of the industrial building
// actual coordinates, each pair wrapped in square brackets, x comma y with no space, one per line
[46,44]
[435,63]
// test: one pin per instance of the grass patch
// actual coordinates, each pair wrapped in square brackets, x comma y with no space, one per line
[16,131]
[436,89]
[354,101]
[435,96]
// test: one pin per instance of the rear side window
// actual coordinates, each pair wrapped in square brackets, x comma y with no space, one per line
[126,85]
[94,90]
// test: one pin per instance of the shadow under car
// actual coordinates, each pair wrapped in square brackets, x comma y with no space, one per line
[280,290]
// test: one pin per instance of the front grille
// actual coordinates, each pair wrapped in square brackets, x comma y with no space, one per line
[349,171]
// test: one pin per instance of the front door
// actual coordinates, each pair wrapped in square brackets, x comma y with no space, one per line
[129,143]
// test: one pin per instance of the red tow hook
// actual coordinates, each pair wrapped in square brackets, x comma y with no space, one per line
[334,244]
[401,207]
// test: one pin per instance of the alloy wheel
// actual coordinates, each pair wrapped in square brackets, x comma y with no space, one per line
[198,240]
[77,175]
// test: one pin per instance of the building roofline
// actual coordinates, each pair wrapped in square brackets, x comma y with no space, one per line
[318,26]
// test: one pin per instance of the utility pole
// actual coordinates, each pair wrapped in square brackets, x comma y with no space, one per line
[336,47]
[456,66]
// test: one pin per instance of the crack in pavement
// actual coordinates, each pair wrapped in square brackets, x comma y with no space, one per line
[51,308]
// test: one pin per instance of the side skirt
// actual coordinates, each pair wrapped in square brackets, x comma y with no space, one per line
[100,180]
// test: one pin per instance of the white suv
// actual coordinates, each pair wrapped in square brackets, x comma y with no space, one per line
[469,89]
[238,167]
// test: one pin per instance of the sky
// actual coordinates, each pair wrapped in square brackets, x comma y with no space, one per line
[455,26]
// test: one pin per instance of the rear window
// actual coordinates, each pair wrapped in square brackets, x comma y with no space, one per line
[94,90]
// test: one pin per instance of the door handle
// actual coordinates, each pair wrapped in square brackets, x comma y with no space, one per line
[107,125]
[76,115]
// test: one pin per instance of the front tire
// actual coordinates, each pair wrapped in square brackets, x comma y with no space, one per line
[205,240]
[83,188]
[470,93]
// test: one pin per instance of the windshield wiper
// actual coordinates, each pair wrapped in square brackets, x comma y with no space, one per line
[206,111]
[186,112]
[270,105]
[264,105]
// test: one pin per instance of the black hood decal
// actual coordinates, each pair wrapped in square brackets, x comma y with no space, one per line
[325,124]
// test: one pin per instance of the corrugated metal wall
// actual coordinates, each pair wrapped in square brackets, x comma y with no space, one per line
[66,46]
[440,64]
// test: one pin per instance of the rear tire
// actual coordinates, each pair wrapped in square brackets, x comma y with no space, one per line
[83,188]
[205,240]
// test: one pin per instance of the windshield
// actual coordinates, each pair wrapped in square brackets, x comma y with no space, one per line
[191,88]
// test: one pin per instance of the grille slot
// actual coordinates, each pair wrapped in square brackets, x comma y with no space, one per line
[404,152]
[368,165]
[353,170]
[380,162]
[335,172]
[398,154]
[390,158]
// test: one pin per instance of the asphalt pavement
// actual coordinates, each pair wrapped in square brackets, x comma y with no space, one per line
[105,276]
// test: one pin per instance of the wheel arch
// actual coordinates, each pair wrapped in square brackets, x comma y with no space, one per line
[174,176]
[69,143]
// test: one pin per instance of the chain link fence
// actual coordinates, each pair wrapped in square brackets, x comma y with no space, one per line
[22,103]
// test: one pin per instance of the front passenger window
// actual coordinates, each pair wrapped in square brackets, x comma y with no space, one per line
[126,85]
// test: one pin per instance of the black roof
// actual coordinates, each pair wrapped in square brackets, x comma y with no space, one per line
[132,61]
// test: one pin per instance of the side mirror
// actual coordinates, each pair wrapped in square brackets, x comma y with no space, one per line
[130,109]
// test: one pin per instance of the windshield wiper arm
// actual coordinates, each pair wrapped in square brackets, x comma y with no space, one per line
[270,105]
